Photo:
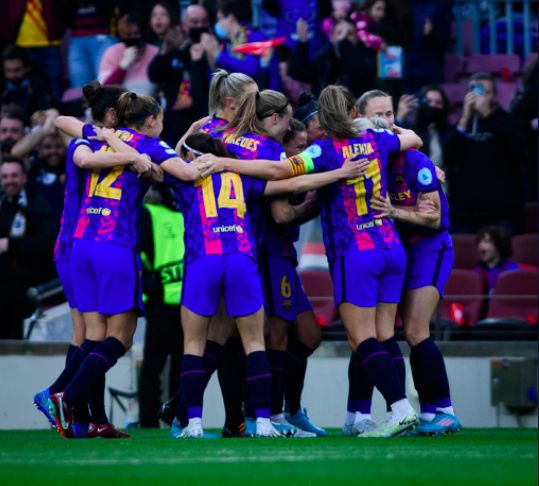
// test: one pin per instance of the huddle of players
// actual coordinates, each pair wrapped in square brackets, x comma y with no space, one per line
[236,253]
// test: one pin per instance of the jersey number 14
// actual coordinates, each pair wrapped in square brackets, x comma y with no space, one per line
[230,185]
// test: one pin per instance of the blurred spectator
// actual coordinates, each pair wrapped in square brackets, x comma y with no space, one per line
[47,176]
[181,70]
[494,249]
[524,107]
[126,63]
[428,42]
[483,161]
[11,130]
[307,114]
[344,61]
[22,87]
[340,10]
[233,28]
[162,253]
[288,12]
[39,26]
[162,17]
[27,232]
[90,38]
[428,115]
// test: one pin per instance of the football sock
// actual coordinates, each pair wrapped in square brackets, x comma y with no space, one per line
[103,357]
[448,410]
[231,374]
[193,383]
[360,389]
[259,384]
[381,370]
[297,354]
[392,347]
[212,356]
[430,376]
[402,407]
[96,402]
[277,362]
[75,356]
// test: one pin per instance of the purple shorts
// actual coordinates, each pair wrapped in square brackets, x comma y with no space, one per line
[63,268]
[428,267]
[233,277]
[105,278]
[365,278]
[284,296]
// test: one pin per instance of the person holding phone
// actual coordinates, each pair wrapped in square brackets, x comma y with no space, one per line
[483,159]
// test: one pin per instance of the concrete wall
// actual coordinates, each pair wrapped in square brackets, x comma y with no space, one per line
[25,373]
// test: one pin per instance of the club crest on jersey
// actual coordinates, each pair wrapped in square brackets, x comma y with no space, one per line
[424,176]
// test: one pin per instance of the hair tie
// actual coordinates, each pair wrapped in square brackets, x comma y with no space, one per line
[192,150]
[133,96]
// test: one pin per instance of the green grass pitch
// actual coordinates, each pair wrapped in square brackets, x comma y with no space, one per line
[473,456]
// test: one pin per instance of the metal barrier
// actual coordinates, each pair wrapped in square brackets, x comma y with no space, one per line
[485,11]
[38,295]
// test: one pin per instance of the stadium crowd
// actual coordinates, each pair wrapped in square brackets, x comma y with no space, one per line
[387,54]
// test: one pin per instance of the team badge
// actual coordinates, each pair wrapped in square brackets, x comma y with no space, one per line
[424,176]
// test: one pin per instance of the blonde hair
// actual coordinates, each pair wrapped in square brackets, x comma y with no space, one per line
[334,106]
[223,85]
[254,108]
[132,110]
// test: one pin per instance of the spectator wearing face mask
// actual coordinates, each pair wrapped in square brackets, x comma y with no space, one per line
[126,63]
[22,87]
[181,71]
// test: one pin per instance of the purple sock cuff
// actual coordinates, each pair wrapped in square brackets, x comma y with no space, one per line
[262,413]
[361,406]
[190,372]
[428,408]
[211,356]
[443,402]
[194,412]
[100,356]
[258,377]
[398,358]
[372,355]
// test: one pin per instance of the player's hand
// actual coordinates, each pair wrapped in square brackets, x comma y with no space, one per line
[424,205]
[440,174]
[383,206]
[354,168]
[142,165]
[210,164]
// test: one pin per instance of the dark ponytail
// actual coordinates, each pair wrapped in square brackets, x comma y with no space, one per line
[100,98]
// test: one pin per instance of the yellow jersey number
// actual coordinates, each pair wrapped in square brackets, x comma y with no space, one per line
[104,188]
[230,183]
[373,173]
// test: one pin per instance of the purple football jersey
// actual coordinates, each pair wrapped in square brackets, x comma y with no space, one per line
[112,198]
[273,239]
[72,198]
[348,222]
[214,127]
[410,174]
[215,213]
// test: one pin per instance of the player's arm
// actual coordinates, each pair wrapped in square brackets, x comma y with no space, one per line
[180,169]
[285,213]
[408,138]
[427,212]
[311,182]
[85,158]
[70,125]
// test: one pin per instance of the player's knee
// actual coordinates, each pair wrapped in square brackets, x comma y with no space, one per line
[415,332]
[312,338]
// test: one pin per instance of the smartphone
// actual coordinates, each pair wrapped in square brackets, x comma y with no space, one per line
[478,89]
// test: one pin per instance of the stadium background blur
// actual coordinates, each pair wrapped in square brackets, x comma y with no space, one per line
[413,48]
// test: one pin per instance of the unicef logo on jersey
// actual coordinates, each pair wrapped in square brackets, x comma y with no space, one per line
[424,176]
[314,151]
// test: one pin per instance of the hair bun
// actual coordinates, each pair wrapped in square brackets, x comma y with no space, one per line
[92,92]
[305,98]
[133,96]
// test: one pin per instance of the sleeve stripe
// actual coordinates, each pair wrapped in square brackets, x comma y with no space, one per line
[301,164]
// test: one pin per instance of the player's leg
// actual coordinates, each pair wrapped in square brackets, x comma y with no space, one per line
[244,301]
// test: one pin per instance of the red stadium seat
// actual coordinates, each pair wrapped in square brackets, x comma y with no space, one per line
[494,63]
[520,284]
[530,217]
[505,92]
[525,248]
[319,288]
[466,288]
[465,247]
